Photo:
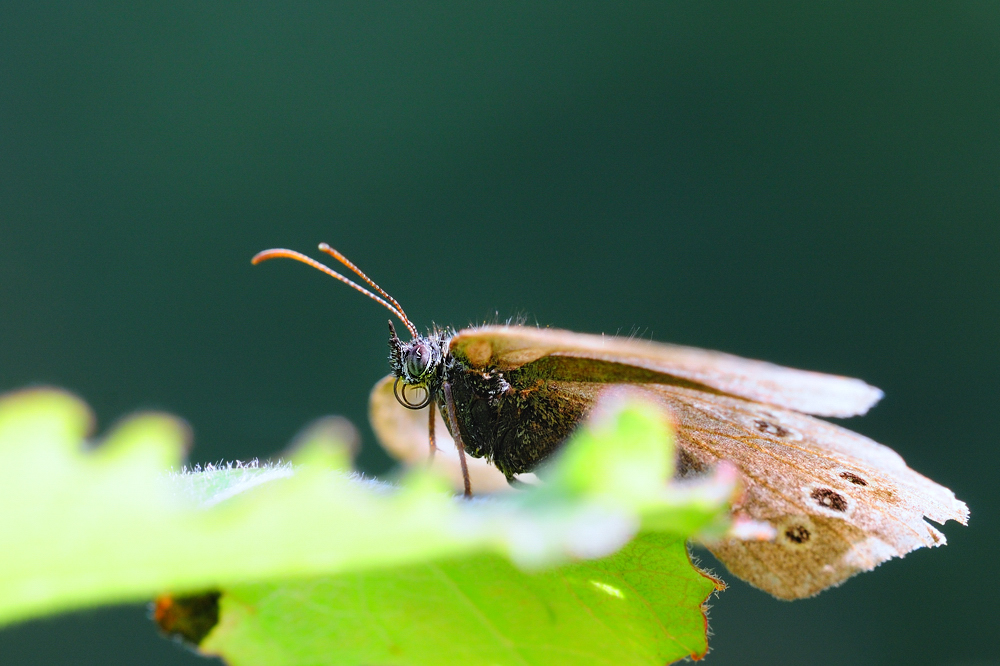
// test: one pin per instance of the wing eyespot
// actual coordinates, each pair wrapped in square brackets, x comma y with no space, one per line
[829,499]
[853,478]
[796,532]
[771,428]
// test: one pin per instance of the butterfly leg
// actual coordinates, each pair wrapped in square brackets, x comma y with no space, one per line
[453,420]
[430,431]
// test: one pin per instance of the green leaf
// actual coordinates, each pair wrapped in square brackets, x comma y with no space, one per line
[642,605]
[83,525]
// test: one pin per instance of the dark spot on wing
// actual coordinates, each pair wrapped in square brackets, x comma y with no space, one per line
[771,428]
[797,534]
[853,478]
[829,499]
[688,465]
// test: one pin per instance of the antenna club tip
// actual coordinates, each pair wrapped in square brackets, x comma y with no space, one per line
[273,253]
[324,247]
[261,256]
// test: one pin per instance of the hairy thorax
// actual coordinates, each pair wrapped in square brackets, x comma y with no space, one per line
[516,418]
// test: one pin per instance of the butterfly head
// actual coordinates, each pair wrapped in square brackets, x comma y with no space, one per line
[417,363]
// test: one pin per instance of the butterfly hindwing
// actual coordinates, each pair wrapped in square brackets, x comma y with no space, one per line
[840,502]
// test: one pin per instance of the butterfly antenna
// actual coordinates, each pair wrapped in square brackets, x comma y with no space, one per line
[392,307]
[323,247]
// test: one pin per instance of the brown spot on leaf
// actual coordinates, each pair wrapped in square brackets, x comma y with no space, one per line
[771,428]
[853,478]
[830,499]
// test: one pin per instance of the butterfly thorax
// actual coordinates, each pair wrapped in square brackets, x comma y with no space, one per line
[516,419]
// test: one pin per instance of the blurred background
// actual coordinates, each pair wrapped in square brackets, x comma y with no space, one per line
[814,184]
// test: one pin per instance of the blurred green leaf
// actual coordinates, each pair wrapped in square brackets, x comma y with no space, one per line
[306,553]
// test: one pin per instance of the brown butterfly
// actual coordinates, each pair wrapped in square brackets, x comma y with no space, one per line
[510,395]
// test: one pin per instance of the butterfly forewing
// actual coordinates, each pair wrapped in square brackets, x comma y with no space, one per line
[508,347]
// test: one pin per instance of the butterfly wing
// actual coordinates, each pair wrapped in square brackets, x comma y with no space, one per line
[508,347]
[402,433]
[840,502]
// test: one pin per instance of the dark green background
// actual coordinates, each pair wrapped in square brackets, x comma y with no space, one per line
[816,185]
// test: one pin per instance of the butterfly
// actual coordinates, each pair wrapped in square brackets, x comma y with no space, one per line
[510,395]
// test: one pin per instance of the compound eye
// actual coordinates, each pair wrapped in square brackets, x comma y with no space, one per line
[417,360]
